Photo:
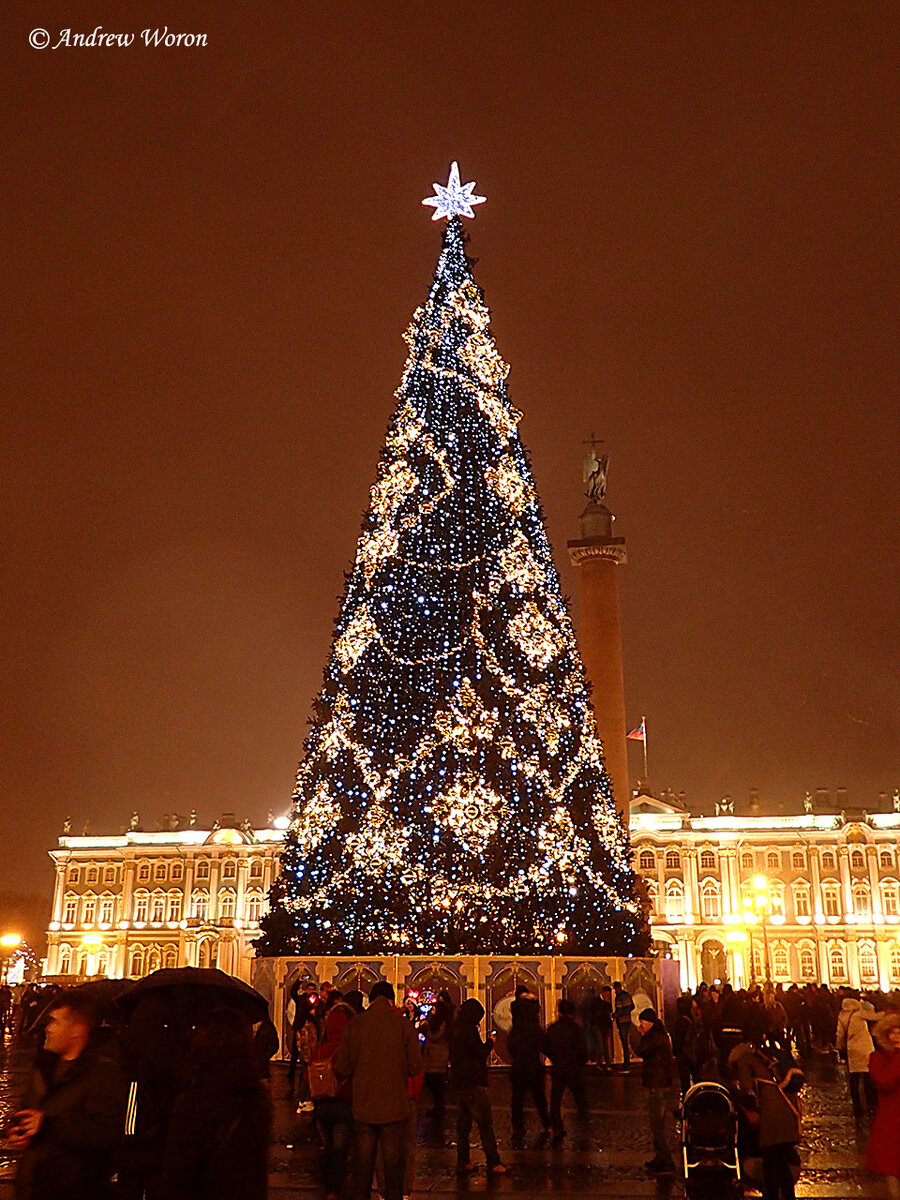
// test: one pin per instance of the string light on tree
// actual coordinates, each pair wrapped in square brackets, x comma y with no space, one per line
[452,796]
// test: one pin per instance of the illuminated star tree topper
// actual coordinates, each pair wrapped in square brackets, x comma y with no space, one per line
[454,200]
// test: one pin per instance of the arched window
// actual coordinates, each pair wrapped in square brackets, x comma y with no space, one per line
[831,898]
[889,898]
[254,906]
[798,860]
[107,910]
[153,959]
[756,960]
[653,897]
[773,861]
[647,860]
[109,873]
[862,901]
[227,901]
[674,901]
[160,872]
[673,860]
[141,906]
[158,908]
[89,910]
[781,963]
[170,958]
[828,861]
[137,961]
[74,874]
[886,859]
[202,871]
[710,900]
[207,953]
[837,962]
[801,900]
[857,860]
[807,959]
[174,913]
[256,868]
[176,871]
[707,860]
[93,873]
[201,905]
[868,964]
[143,872]
[746,861]
[70,912]
[895,962]
[229,869]
[65,960]
[103,962]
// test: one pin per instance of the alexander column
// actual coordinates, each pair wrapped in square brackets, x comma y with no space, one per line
[597,555]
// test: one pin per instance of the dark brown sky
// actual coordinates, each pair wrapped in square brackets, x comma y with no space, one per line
[210,256]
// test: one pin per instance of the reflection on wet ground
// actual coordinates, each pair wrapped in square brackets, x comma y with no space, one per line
[833,1151]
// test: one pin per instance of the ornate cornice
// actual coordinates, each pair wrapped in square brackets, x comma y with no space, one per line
[614,549]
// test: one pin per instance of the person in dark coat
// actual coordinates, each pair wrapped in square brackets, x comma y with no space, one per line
[884,1067]
[602,1021]
[623,1007]
[772,1092]
[566,1047]
[73,1114]
[218,1140]
[526,1069]
[334,1114]
[468,1075]
[658,1072]
[380,1050]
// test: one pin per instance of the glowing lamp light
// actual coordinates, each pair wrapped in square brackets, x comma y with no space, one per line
[92,939]
[11,941]
[760,882]
[735,935]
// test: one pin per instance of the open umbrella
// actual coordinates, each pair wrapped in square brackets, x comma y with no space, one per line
[193,991]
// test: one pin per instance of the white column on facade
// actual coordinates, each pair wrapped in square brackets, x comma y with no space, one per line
[59,888]
[846,890]
[824,964]
[853,961]
[128,890]
[884,961]
[187,905]
[268,865]
[732,889]
[872,857]
[52,961]
[242,868]
[691,885]
[817,903]
[214,890]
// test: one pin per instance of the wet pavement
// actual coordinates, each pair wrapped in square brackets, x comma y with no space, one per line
[832,1152]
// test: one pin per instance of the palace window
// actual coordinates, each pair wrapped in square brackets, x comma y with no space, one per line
[137,961]
[647,860]
[673,860]
[653,897]
[895,963]
[828,860]
[207,953]
[674,901]
[868,964]
[857,860]
[862,901]
[773,861]
[160,872]
[747,862]
[831,897]
[93,873]
[154,960]
[256,868]
[170,958]
[141,906]
[229,869]
[801,901]
[781,964]
[107,910]
[201,905]
[889,898]
[158,909]
[176,872]
[710,902]
[74,874]
[807,959]
[756,961]
[65,960]
[143,872]
[254,906]
[202,868]
[887,860]
[89,910]
[798,860]
[227,903]
[837,963]
[70,913]
[707,860]
[174,912]
[109,873]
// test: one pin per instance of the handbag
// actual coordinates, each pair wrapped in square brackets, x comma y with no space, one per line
[323,1081]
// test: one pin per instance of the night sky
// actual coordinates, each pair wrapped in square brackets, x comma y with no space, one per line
[210,255]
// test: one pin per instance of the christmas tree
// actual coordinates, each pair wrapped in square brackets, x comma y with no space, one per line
[452,796]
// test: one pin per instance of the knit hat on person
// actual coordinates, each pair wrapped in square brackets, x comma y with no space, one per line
[883,1028]
[647,1015]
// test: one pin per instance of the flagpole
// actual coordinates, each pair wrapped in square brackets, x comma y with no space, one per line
[646,772]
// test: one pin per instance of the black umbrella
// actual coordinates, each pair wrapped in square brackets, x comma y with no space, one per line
[193,991]
[103,993]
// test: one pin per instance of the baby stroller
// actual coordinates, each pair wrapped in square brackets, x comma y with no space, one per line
[712,1169]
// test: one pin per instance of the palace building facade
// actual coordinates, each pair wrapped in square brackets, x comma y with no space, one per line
[810,897]
[130,904]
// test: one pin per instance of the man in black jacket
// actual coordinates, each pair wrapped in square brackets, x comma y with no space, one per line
[74,1113]
[526,1069]
[566,1047]
[658,1076]
[468,1075]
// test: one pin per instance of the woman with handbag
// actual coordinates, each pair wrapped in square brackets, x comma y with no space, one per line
[772,1089]
[332,1097]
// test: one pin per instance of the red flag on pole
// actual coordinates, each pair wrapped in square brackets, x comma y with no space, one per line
[637,735]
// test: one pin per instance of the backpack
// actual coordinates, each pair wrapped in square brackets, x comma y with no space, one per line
[323,1082]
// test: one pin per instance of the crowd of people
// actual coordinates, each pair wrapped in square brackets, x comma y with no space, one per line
[192,1119]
